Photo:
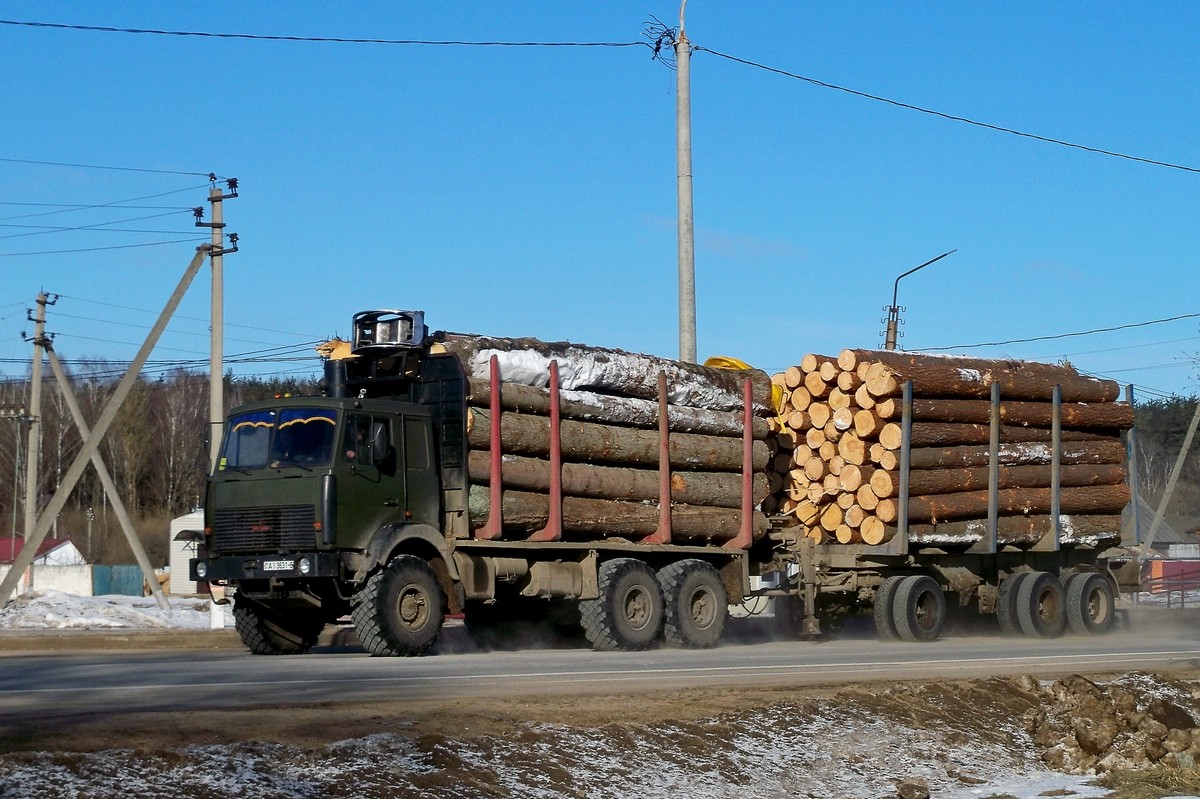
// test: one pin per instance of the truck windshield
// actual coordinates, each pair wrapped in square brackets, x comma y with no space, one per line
[279,437]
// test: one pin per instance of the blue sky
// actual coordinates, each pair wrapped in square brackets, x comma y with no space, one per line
[531,191]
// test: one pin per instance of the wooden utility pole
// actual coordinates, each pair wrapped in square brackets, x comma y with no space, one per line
[683,157]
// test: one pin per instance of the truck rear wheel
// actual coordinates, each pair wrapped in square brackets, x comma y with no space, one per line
[628,614]
[882,608]
[1090,603]
[272,632]
[695,604]
[1040,605]
[919,609]
[400,609]
[1006,603]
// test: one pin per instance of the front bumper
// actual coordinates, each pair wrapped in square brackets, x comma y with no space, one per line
[302,565]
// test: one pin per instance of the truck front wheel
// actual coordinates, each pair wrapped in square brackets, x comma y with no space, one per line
[271,632]
[400,609]
[628,614]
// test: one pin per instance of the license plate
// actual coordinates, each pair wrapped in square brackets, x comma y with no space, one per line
[279,565]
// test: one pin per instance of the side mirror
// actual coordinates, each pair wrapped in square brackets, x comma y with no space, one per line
[381,448]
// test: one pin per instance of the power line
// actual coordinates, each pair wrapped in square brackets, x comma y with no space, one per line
[121,203]
[177,316]
[950,117]
[322,39]
[41,230]
[1058,336]
[102,166]
[97,249]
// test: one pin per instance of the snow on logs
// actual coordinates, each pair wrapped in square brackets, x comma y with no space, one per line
[838,438]
[609,441]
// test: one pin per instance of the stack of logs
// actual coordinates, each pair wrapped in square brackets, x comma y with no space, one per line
[839,438]
[610,443]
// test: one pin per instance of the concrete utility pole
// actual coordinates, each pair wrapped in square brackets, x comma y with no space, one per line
[216,358]
[33,445]
[683,159]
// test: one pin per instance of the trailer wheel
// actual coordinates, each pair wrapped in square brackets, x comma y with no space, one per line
[695,604]
[628,614]
[1040,605]
[270,632]
[1006,603]
[919,609]
[1090,603]
[882,608]
[400,609]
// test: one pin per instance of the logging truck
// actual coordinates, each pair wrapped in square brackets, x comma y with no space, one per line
[637,498]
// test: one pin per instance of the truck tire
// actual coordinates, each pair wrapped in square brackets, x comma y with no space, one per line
[628,614]
[1006,603]
[270,632]
[399,611]
[1041,604]
[1091,605]
[695,604]
[882,608]
[919,609]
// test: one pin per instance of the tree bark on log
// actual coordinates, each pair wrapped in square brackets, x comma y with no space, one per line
[1017,454]
[1107,415]
[525,512]
[1018,531]
[945,434]
[717,489]
[589,407]
[951,481]
[1017,382]
[900,362]
[609,371]
[1095,500]
[588,441]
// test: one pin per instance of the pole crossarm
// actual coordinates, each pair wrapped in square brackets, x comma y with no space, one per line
[34,538]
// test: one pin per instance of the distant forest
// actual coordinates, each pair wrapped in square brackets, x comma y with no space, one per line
[157,451]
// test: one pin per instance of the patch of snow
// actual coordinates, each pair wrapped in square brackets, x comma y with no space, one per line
[973,375]
[54,610]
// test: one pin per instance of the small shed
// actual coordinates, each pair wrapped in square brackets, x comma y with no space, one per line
[181,552]
[52,552]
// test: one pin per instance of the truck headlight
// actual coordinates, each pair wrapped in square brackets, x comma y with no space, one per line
[201,569]
[305,565]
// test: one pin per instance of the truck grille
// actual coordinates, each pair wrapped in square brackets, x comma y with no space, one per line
[265,529]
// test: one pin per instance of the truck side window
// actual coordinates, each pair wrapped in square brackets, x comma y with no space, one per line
[356,443]
[416,442]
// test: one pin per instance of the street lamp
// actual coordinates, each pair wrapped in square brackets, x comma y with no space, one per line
[893,318]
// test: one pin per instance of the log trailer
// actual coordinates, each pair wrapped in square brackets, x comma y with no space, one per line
[400,497]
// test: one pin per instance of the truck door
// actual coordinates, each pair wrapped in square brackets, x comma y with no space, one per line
[370,476]
[421,477]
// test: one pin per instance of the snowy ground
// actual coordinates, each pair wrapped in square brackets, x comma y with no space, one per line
[965,741]
[52,610]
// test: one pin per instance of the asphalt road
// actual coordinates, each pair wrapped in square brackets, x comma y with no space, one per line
[71,683]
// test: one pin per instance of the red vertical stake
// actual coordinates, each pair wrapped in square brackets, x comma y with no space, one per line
[495,522]
[553,529]
[745,536]
[663,534]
